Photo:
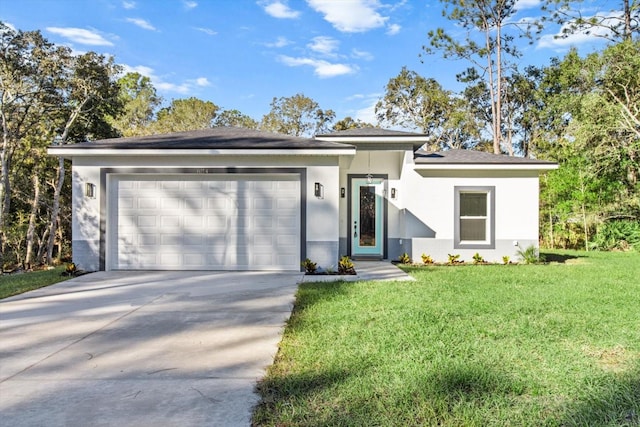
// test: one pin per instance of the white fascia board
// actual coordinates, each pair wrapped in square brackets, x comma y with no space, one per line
[521,166]
[71,152]
[387,139]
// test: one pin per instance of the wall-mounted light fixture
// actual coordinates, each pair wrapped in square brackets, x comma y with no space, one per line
[318,190]
[343,192]
[394,193]
[90,190]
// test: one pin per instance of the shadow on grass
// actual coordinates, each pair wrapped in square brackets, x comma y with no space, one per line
[614,401]
[466,381]
[559,258]
[456,394]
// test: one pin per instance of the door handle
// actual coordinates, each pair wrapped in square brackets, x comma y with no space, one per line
[355,229]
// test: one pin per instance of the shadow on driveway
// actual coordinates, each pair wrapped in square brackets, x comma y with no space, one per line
[141,348]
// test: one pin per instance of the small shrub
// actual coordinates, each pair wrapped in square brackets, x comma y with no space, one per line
[506,260]
[617,235]
[405,258]
[426,259]
[453,259]
[70,269]
[309,266]
[478,259]
[345,266]
[530,255]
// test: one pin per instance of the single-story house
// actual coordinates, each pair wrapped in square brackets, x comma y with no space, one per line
[241,199]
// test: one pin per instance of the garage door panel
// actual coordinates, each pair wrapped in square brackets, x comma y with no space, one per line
[171,203]
[193,222]
[126,202]
[206,222]
[191,239]
[147,203]
[263,203]
[143,221]
[284,222]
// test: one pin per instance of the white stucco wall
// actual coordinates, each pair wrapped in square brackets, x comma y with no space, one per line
[421,217]
[429,213]
[322,223]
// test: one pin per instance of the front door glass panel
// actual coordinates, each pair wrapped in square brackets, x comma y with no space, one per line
[367,216]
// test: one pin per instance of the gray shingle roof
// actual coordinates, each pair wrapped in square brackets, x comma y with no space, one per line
[370,131]
[472,157]
[214,138]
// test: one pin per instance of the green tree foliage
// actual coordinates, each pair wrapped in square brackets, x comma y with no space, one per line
[47,94]
[415,102]
[349,123]
[29,71]
[185,114]
[296,115]
[615,24]
[486,46]
[592,116]
[140,101]
[90,97]
[234,118]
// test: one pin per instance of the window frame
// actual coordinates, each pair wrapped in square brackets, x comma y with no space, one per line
[489,242]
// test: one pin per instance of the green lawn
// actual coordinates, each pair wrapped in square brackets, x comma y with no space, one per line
[473,345]
[14,284]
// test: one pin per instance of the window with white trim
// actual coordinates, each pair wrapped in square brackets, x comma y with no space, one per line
[474,218]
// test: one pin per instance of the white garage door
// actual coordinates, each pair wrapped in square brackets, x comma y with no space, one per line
[205,222]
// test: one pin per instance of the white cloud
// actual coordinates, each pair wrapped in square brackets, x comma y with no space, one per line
[350,16]
[393,29]
[367,110]
[361,54]
[80,35]
[527,4]
[183,88]
[322,69]
[280,42]
[141,69]
[201,81]
[188,4]
[355,96]
[559,42]
[129,4]
[207,31]
[159,83]
[324,45]
[141,23]
[278,9]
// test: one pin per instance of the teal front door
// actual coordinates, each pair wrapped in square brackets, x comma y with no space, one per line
[367,217]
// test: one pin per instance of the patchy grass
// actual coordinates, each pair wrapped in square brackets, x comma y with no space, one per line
[473,345]
[17,283]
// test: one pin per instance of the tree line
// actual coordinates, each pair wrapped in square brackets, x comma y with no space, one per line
[580,111]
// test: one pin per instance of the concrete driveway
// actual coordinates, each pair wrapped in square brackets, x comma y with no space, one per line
[141,348]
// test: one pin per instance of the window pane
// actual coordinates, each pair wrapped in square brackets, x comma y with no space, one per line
[473,204]
[473,229]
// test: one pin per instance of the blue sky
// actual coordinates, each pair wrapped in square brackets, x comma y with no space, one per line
[240,54]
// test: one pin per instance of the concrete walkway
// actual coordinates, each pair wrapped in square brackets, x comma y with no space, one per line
[365,270]
[145,348]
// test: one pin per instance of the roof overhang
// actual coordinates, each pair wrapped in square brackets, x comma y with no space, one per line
[384,142]
[484,167]
[69,151]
